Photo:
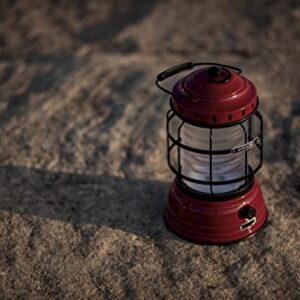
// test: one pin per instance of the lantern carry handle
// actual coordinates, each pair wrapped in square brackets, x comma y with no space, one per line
[184,67]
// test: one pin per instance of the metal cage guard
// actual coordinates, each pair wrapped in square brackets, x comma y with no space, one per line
[249,172]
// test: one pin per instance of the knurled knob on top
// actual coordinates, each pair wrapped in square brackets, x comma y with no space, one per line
[218,74]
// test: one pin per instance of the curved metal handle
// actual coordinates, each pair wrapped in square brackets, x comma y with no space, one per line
[184,67]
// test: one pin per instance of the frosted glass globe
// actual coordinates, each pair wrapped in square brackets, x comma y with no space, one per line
[224,166]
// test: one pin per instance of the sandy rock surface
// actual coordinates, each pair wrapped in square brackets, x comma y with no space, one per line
[83,172]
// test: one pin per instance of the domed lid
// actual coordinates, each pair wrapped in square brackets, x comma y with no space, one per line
[214,96]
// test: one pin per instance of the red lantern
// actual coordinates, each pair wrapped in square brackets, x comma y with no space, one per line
[215,146]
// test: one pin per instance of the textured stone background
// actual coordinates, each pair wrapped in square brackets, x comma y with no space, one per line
[83,176]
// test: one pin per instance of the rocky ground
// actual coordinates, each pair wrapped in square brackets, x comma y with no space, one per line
[83,175]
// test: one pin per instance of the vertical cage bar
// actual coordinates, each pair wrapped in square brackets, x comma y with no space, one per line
[246,152]
[250,128]
[178,148]
[250,124]
[210,161]
[261,137]
[170,115]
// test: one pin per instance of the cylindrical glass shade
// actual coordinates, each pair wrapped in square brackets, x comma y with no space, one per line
[224,166]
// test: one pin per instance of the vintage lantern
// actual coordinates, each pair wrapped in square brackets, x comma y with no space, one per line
[214,146]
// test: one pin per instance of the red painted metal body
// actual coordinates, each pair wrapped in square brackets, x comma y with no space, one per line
[213,97]
[213,222]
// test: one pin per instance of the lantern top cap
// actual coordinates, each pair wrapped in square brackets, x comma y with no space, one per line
[213,96]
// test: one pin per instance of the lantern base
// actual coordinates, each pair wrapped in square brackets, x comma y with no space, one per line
[216,222]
